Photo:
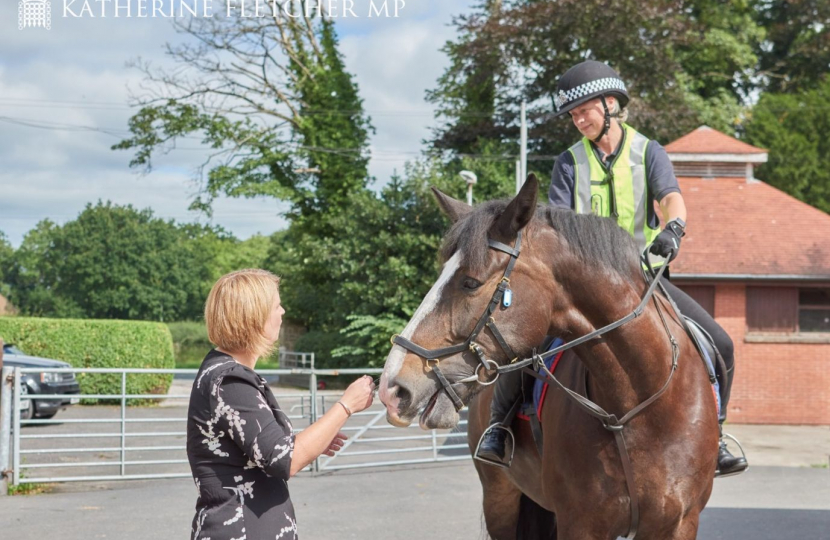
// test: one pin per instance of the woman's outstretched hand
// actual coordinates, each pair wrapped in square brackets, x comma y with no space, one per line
[359,394]
[336,444]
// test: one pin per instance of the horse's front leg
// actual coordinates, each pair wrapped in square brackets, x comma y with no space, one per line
[501,496]
[584,530]
[501,502]
[687,527]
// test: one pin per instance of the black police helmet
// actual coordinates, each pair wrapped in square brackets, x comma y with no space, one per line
[586,81]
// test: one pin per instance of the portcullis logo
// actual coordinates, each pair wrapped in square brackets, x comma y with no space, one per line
[33,13]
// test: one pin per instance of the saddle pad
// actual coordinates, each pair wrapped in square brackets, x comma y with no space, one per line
[540,388]
[705,346]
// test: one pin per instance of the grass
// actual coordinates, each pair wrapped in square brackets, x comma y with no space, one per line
[191,358]
[28,489]
[820,465]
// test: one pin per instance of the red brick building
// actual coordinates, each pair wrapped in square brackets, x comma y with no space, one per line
[759,261]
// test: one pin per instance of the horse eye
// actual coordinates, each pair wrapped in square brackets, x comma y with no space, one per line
[471,284]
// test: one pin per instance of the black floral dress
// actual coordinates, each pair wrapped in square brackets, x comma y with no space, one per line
[239,444]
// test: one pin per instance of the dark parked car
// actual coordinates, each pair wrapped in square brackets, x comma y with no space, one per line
[44,382]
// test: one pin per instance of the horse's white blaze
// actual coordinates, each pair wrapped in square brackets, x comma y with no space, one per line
[394,361]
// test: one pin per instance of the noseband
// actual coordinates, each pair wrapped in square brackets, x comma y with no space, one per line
[502,294]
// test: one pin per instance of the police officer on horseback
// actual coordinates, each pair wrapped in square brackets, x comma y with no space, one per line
[610,172]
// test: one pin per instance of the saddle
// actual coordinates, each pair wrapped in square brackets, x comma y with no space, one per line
[705,346]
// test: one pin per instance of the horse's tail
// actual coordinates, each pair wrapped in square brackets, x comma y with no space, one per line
[535,523]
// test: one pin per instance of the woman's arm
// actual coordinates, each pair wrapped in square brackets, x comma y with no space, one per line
[325,432]
[317,438]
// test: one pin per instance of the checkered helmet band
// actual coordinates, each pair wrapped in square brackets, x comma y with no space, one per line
[597,87]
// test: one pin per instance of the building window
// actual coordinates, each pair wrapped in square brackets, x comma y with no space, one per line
[772,309]
[814,310]
[787,309]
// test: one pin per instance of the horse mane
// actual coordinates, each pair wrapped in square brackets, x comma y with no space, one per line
[594,240]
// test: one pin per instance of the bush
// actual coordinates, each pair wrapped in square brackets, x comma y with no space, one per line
[98,344]
[322,343]
[367,339]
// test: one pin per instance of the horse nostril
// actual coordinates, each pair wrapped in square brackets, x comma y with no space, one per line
[404,397]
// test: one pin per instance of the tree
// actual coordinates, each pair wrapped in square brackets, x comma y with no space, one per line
[6,252]
[686,62]
[377,264]
[796,53]
[112,262]
[225,252]
[271,97]
[794,127]
[6,256]
[535,42]
[33,273]
[468,91]
[332,126]
[122,263]
[718,58]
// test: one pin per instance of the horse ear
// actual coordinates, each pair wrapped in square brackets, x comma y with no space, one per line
[519,212]
[452,208]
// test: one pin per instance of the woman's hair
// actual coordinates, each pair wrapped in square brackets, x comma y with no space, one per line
[620,112]
[237,309]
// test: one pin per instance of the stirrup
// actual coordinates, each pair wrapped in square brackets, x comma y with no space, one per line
[743,455]
[512,447]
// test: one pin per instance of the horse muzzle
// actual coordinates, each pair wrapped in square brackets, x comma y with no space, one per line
[394,398]
[404,402]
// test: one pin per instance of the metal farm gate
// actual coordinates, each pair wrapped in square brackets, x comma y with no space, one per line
[107,437]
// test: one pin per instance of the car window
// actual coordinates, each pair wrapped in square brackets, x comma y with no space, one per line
[11,349]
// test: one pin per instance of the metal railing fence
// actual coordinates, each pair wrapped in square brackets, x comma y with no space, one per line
[124,441]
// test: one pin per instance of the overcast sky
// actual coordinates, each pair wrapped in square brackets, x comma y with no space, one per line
[64,102]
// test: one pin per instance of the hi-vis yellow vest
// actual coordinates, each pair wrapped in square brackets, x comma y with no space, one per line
[592,186]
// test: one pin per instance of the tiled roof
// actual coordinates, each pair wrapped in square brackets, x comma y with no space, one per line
[705,140]
[735,227]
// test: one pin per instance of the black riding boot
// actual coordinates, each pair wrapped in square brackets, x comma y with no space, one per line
[508,389]
[728,464]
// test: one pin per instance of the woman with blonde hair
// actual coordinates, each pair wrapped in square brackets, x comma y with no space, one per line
[241,446]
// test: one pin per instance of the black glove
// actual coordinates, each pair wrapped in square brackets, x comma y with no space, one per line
[667,243]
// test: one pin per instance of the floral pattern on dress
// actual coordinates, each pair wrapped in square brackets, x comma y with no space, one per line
[240,445]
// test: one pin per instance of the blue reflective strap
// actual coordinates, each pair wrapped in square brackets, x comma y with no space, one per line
[507,298]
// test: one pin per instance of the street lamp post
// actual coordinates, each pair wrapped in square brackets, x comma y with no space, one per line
[471,179]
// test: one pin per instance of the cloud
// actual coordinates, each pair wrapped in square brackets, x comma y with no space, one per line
[64,103]
[395,62]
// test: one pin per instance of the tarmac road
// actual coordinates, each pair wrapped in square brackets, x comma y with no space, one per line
[784,495]
[441,501]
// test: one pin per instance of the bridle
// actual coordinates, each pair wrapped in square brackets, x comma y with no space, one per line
[535,365]
[503,294]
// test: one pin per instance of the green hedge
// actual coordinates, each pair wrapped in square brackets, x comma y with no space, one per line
[98,344]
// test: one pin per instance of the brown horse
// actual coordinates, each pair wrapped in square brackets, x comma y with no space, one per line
[575,274]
